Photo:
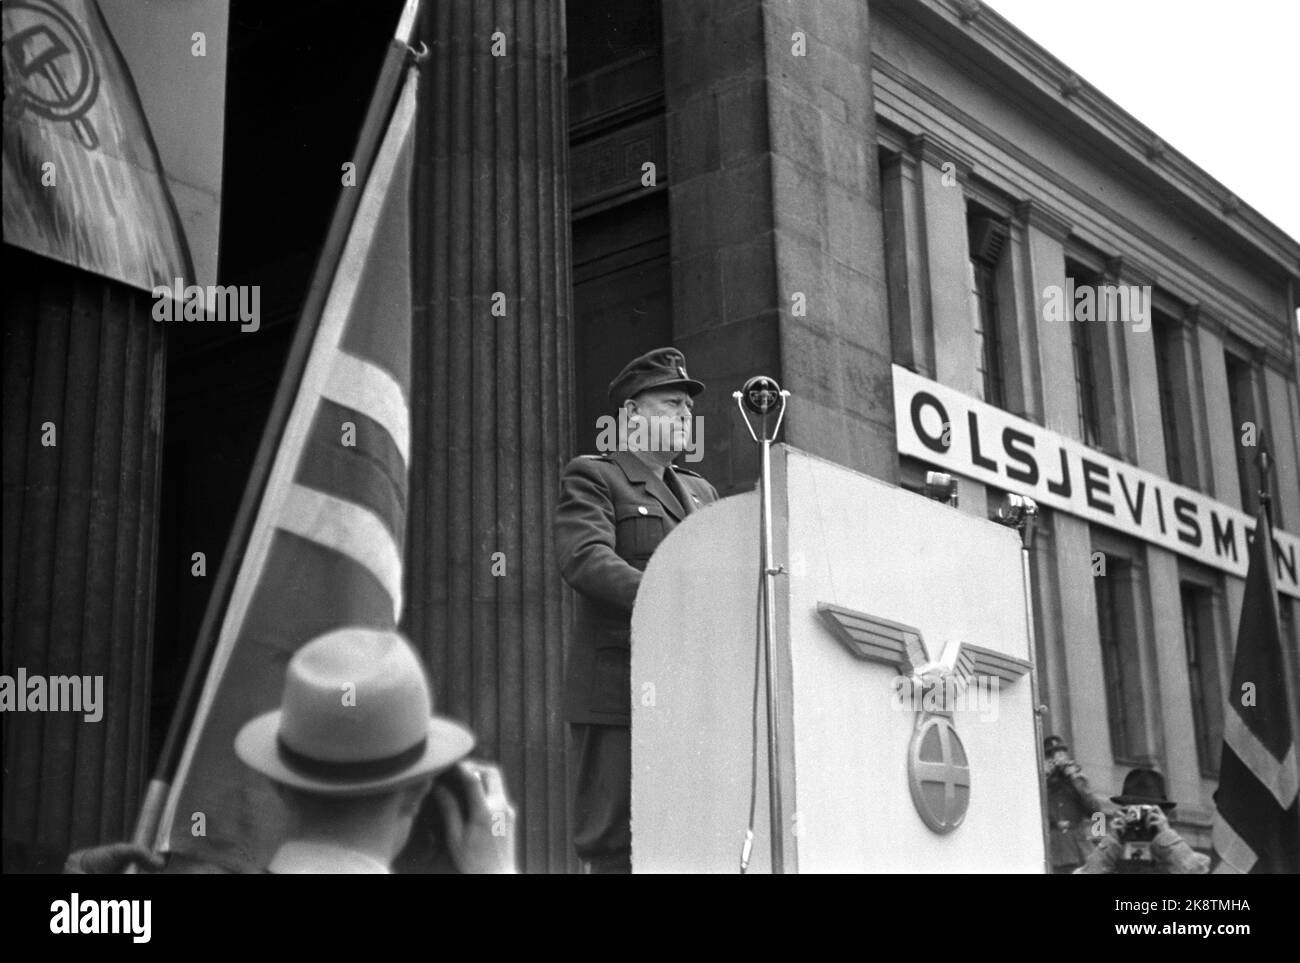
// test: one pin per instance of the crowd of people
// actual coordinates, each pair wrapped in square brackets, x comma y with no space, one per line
[1129,834]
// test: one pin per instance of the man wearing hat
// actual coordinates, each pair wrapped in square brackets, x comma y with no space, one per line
[354,748]
[615,508]
[1070,808]
[1169,852]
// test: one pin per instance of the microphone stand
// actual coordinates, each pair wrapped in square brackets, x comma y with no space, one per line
[1021,513]
[764,397]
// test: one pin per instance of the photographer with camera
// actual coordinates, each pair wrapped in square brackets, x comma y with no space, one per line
[1070,807]
[355,774]
[1139,838]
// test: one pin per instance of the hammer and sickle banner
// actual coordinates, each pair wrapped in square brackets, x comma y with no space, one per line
[83,182]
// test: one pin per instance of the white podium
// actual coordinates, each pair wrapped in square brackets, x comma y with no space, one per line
[882,583]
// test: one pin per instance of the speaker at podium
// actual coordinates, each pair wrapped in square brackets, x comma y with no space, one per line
[905,729]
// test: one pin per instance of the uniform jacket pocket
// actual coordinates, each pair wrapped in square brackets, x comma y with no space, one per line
[638,530]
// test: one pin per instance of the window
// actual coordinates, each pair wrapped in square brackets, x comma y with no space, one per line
[1088,344]
[1117,623]
[1243,409]
[1203,675]
[1175,399]
[1085,384]
[987,239]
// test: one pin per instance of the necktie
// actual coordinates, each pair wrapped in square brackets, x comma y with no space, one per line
[678,488]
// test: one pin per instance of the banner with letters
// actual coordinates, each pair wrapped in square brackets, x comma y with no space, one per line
[967,437]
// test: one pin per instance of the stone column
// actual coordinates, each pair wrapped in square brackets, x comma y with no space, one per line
[492,391]
[912,335]
[83,396]
[1221,480]
[1141,419]
[1284,430]
[946,246]
[775,214]
[1048,343]
[1070,670]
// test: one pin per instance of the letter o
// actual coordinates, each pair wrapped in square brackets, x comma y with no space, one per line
[919,401]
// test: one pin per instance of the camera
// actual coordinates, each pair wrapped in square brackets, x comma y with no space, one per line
[1060,766]
[1137,832]
[1138,825]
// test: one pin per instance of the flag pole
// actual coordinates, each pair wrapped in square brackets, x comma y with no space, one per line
[345,208]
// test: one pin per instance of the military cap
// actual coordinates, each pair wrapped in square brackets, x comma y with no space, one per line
[660,368]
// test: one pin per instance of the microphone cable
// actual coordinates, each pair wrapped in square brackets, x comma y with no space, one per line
[748,848]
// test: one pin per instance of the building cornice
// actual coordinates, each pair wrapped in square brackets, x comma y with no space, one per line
[1058,87]
[1126,270]
[896,131]
[1038,215]
[933,150]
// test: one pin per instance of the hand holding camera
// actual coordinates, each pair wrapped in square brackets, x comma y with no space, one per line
[1139,824]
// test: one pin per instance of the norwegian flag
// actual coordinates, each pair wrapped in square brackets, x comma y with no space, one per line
[1257,828]
[326,547]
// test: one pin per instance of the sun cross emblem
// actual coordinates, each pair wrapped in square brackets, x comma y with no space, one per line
[938,770]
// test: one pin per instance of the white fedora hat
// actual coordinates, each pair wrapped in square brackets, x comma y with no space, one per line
[356,718]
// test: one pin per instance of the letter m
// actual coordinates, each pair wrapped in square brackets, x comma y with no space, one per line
[65,693]
[1225,540]
[223,302]
[1110,296]
[119,911]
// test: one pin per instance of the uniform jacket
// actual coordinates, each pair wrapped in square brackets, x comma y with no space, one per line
[613,513]
[1070,808]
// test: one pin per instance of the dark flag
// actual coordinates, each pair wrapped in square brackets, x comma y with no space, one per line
[326,547]
[1257,828]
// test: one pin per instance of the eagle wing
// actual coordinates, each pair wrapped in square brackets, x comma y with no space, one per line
[875,639]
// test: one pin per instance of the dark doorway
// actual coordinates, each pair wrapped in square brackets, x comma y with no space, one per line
[299,77]
[622,285]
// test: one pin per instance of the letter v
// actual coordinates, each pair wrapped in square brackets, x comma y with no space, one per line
[1134,510]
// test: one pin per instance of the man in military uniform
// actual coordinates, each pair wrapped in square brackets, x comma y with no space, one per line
[1071,804]
[615,508]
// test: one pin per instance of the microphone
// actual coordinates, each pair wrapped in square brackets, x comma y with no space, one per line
[762,396]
